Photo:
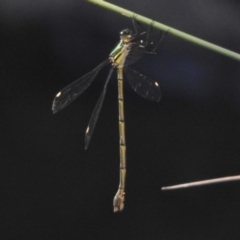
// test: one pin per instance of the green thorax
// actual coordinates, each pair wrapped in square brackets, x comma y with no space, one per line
[119,54]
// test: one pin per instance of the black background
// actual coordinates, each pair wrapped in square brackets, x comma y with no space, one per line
[53,189]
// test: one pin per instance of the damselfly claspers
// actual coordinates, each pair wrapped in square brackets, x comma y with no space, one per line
[131,47]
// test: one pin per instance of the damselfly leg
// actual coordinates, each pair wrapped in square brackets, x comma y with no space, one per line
[149,35]
[161,37]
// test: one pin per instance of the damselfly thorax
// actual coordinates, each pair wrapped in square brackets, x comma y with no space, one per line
[121,51]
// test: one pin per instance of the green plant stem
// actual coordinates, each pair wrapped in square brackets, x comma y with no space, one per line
[172,31]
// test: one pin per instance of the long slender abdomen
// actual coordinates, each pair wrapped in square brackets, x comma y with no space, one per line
[118,202]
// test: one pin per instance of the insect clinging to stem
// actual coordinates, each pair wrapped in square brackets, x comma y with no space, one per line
[130,48]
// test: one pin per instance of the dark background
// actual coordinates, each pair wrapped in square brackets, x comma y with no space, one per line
[51,188]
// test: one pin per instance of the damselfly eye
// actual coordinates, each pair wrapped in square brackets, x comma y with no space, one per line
[126,32]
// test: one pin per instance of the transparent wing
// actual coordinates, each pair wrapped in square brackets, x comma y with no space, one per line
[95,114]
[143,85]
[135,54]
[73,90]
[139,48]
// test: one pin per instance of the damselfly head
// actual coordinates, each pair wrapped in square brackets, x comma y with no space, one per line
[126,35]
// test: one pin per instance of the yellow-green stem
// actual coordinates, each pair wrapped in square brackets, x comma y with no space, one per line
[172,31]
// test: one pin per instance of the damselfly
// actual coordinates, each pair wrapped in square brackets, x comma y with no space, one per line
[132,46]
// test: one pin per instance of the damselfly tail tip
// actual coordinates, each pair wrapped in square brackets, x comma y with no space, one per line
[118,208]
[115,209]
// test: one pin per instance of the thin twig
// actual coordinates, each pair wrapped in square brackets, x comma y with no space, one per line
[172,31]
[204,182]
